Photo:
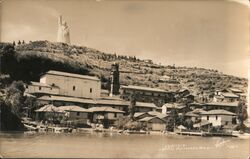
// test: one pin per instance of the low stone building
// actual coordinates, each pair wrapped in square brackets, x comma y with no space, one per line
[154,123]
[219,117]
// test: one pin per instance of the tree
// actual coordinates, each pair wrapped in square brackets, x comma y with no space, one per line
[173,120]
[188,123]
[242,114]
[132,106]
[14,97]
[19,42]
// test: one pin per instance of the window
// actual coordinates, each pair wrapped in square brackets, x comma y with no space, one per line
[115,115]
[40,88]
[90,90]
[78,113]
[27,86]
[207,117]
[226,122]
[50,88]
[74,88]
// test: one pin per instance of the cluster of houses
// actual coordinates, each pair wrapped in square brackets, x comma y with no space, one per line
[80,97]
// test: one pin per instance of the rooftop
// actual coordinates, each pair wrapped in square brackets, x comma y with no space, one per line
[236,90]
[137,114]
[105,109]
[49,108]
[66,74]
[144,88]
[40,84]
[147,119]
[233,104]
[230,95]
[67,99]
[157,114]
[73,109]
[143,104]
[218,112]
[191,114]
[174,105]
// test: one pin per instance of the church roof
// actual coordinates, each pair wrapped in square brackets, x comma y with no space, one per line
[66,74]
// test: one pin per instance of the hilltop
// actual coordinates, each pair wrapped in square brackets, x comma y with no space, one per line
[28,61]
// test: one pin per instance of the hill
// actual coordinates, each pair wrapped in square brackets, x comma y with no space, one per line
[28,61]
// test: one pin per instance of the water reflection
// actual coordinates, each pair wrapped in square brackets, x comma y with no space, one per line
[120,145]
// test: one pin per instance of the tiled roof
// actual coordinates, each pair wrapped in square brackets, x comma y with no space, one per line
[40,84]
[143,104]
[73,109]
[137,114]
[236,90]
[49,108]
[144,88]
[229,95]
[191,114]
[102,101]
[157,114]
[174,105]
[67,99]
[233,104]
[218,112]
[147,119]
[105,109]
[66,74]
[111,102]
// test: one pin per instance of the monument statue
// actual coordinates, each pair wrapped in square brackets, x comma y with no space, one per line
[63,31]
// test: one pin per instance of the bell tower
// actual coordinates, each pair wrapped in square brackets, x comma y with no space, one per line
[114,80]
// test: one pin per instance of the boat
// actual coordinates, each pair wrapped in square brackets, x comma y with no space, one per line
[135,132]
[30,127]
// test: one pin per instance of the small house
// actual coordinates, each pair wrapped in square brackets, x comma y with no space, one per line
[219,117]
[75,113]
[105,115]
[154,123]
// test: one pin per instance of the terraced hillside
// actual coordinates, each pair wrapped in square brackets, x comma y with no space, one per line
[27,61]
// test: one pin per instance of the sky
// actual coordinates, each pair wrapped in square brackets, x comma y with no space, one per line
[212,34]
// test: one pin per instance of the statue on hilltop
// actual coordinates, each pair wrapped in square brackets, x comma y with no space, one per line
[63,31]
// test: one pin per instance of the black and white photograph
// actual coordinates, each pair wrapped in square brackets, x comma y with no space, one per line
[124,79]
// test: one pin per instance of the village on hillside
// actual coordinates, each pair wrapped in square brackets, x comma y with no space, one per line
[117,93]
[64,102]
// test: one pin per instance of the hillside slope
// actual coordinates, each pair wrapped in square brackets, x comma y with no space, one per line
[27,61]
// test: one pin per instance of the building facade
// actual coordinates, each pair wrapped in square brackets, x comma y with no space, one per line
[74,85]
[146,94]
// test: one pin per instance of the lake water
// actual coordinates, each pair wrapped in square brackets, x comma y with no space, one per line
[121,146]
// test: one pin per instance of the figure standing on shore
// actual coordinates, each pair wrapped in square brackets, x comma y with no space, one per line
[63,31]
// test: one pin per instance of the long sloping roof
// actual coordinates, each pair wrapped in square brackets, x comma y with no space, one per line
[218,112]
[68,99]
[111,102]
[137,114]
[144,88]
[105,109]
[191,114]
[174,105]
[226,104]
[157,114]
[40,84]
[49,108]
[143,104]
[147,119]
[96,101]
[73,108]
[230,95]
[66,74]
